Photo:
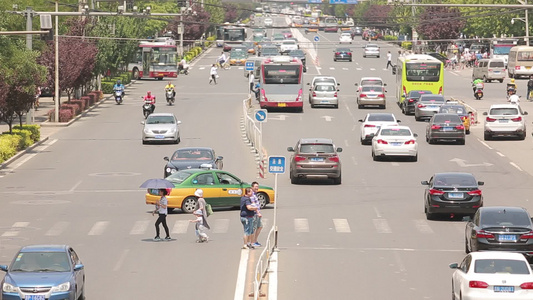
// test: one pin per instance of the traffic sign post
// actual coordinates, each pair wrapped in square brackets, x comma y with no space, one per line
[260,116]
[250,65]
[276,165]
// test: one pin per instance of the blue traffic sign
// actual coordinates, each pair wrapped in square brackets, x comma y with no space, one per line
[316,38]
[276,164]
[249,65]
[260,115]
[343,1]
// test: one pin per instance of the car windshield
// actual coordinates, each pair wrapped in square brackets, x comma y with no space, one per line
[316,148]
[179,177]
[493,266]
[395,132]
[297,53]
[160,120]
[371,46]
[372,89]
[270,50]
[324,88]
[192,154]
[432,98]
[289,43]
[371,82]
[381,117]
[324,79]
[504,111]
[417,94]
[455,180]
[505,218]
[446,118]
[453,109]
[41,262]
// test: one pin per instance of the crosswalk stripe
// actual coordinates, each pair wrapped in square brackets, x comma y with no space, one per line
[331,68]
[139,227]
[98,228]
[20,224]
[372,69]
[16,230]
[382,226]
[220,226]
[423,226]
[341,225]
[57,228]
[359,69]
[301,225]
[180,226]
[345,69]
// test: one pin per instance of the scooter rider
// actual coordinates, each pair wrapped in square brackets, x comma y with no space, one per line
[171,87]
[511,87]
[182,66]
[476,82]
[150,99]
[119,86]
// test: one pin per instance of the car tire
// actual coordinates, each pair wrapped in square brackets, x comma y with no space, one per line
[312,105]
[417,118]
[336,106]
[360,106]
[430,216]
[501,80]
[144,142]
[263,199]
[414,158]
[350,60]
[364,56]
[378,56]
[383,106]
[487,136]
[334,59]
[294,180]
[402,107]
[374,157]
[189,204]
[337,180]
[522,136]
[461,142]
[485,79]
[467,131]
[431,141]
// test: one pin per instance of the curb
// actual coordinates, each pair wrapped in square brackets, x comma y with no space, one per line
[22,152]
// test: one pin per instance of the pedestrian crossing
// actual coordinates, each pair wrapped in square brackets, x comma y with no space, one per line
[223,225]
[207,67]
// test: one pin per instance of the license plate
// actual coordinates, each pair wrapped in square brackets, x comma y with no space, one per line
[527,67]
[35,297]
[159,136]
[316,159]
[504,289]
[455,195]
[432,106]
[504,121]
[324,101]
[507,238]
[396,143]
[496,72]
[447,128]
[282,104]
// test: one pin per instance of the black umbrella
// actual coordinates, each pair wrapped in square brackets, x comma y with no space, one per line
[157,184]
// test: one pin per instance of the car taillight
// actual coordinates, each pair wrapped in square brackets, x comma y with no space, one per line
[299,158]
[460,127]
[474,193]
[435,126]
[517,67]
[478,284]
[527,286]
[335,95]
[435,192]
[369,125]
[489,119]
[411,100]
[350,53]
[484,235]
[440,90]
[380,141]
[410,142]
[314,94]
[517,119]
[381,95]
[362,95]
[337,53]
[334,158]
[527,236]
[420,105]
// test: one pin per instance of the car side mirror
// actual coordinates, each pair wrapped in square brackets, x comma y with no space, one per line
[360,120]
[142,123]
[220,158]
[425,182]
[525,113]
[415,135]
[485,114]
[290,149]
[398,121]
[179,122]
[3,268]
[78,267]
[166,158]
[480,183]
[454,266]
[339,149]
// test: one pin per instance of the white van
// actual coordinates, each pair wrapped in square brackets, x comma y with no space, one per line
[489,69]
[520,61]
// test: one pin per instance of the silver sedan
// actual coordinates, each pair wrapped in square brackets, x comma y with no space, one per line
[161,127]
[428,105]
[371,95]
[324,94]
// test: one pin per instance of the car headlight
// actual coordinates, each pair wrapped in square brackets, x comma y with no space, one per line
[8,288]
[173,171]
[64,287]
[147,131]
[172,130]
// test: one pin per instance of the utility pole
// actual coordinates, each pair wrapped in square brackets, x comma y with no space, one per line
[29,44]
[57,94]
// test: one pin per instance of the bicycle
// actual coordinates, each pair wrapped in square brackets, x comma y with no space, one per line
[224,66]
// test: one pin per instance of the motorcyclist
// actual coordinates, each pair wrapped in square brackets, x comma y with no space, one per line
[182,66]
[149,98]
[119,86]
[170,86]
[511,87]
[476,82]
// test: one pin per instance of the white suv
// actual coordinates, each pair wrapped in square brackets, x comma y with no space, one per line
[288,45]
[505,120]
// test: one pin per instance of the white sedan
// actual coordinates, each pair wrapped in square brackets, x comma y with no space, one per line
[394,141]
[161,127]
[345,37]
[371,123]
[492,275]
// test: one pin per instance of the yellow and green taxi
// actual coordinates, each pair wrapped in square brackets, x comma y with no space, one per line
[238,55]
[221,189]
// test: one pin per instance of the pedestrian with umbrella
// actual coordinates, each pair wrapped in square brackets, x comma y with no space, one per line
[161,205]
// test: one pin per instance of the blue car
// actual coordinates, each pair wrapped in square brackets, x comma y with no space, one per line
[44,272]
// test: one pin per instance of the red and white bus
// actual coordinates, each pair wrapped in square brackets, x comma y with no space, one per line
[281,83]
[157,59]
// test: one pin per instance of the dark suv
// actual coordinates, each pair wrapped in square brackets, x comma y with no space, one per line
[315,157]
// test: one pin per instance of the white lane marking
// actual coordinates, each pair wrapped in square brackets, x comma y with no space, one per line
[372,69]
[201,68]
[241,275]
[265,222]
[345,69]
[377,212]
[140,227]
[359,69]
[98,228]
[484,144]
[516,166]
[20,163]
[180,227]
[50,143]
[341,225]
[455,74]
[500,154]
[346,143]
[15,232]
[121,259]
[354,161]
[301,225]
[395,164]
[382,226]
[57,228]
[423,226]
[273,277]
[399,262]
[75,186]
[331,68]
[221,226]
[20,224]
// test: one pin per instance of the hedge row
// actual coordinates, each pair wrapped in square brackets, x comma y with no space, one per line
[407,45]
[195,51]
[68,110]
[21,138]
[390,38]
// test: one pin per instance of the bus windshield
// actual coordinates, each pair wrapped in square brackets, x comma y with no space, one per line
[234,35]
[164,56]
[423,72]
[282,74]
[502,49]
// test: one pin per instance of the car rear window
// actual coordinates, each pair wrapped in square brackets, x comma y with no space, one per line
[371,82]
[381,117]
[496,64]
[372,89]
[447,118]
[396,132]
[456,109]
[324,79]
[493,266]
[505,218]
[317,148]
[417,94]
[324,88]
[504,111]
[436,98]
[455,180]
[343,50]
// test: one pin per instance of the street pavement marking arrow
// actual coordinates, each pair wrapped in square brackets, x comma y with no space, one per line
[327,118]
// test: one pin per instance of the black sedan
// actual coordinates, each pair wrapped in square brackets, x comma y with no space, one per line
[342,54]
[500,228]
[408,102]
[301,55]
[452,193]
[445,127]
[192,158]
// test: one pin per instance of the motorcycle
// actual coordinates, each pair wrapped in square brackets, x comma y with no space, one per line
[182,70]
[170,96]
[478,93]
[511,91]
[118,96]
[148,108]
[514,99]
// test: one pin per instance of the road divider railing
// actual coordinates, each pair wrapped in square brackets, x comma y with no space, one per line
[472,111]
[263,263]
[252,135]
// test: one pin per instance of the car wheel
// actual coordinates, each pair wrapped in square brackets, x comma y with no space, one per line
[522,136]
[337,180]
[364,56]
[501,80]
[82,295]
[415,158]
[312,105]
[417,118]
[336,106]
[382,106]
[467,249]
[360,106]
[294,179]
[378,56]
[485,79]
[350,60]
[461,142]
[467,131]
[144,142]
[374,157]
[487,136]
[403,109]
[189,204]
[334,59]
[430,216]
[263,199]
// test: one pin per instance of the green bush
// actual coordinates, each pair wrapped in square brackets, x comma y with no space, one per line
[407,45]
[107,87]
[8,146]
[25,138]
[188,57]
[34,129]
[390,38]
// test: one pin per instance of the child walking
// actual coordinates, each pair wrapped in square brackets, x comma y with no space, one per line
[200,226]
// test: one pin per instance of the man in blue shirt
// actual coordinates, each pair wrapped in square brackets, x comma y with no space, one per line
[119,86]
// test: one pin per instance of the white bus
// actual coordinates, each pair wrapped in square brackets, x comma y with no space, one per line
[520,61]
[281,83]
[500,48]
[156,59]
